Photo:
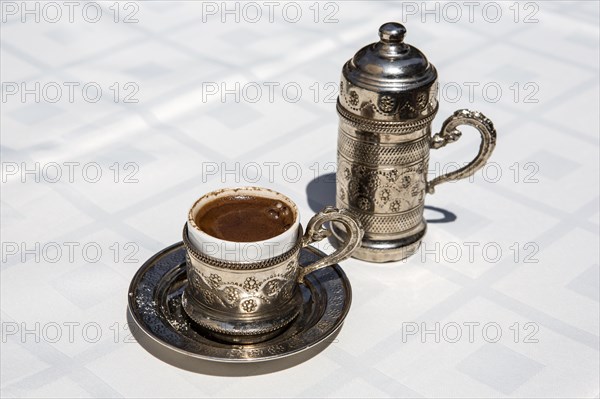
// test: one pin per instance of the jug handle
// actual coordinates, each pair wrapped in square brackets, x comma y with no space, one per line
[449,134]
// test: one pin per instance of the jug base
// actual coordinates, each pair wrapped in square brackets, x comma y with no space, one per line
[380,251]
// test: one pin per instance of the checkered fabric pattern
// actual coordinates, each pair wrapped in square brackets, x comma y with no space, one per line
[117,116]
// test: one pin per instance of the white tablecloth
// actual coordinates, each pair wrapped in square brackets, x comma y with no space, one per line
[110,130]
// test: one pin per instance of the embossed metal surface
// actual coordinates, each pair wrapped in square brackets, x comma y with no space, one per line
[248,302]
[387,102]
[155,304]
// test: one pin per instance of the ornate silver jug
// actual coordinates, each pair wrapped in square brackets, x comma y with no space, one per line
[387,101]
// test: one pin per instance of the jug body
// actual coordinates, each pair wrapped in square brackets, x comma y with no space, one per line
[382,166]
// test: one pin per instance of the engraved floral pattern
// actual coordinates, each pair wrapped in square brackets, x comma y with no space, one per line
[215,280]
[371,189]
[372,182]
[385,195]
[249,305]
[395,206]
[250,284]
[392,175]
[387,103]
[406,181]
[353,98]
[208,297]
[387,182]
[231,294]
[364,203]
[216,291]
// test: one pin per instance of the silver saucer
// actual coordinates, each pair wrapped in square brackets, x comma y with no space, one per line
[155,306]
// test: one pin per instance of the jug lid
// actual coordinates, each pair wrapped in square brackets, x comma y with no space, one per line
[390,64]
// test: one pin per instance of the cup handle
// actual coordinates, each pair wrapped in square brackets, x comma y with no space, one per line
[449,134]
[316,232]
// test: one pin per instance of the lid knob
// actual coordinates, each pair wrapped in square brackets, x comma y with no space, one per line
[389,65]
[392,32]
